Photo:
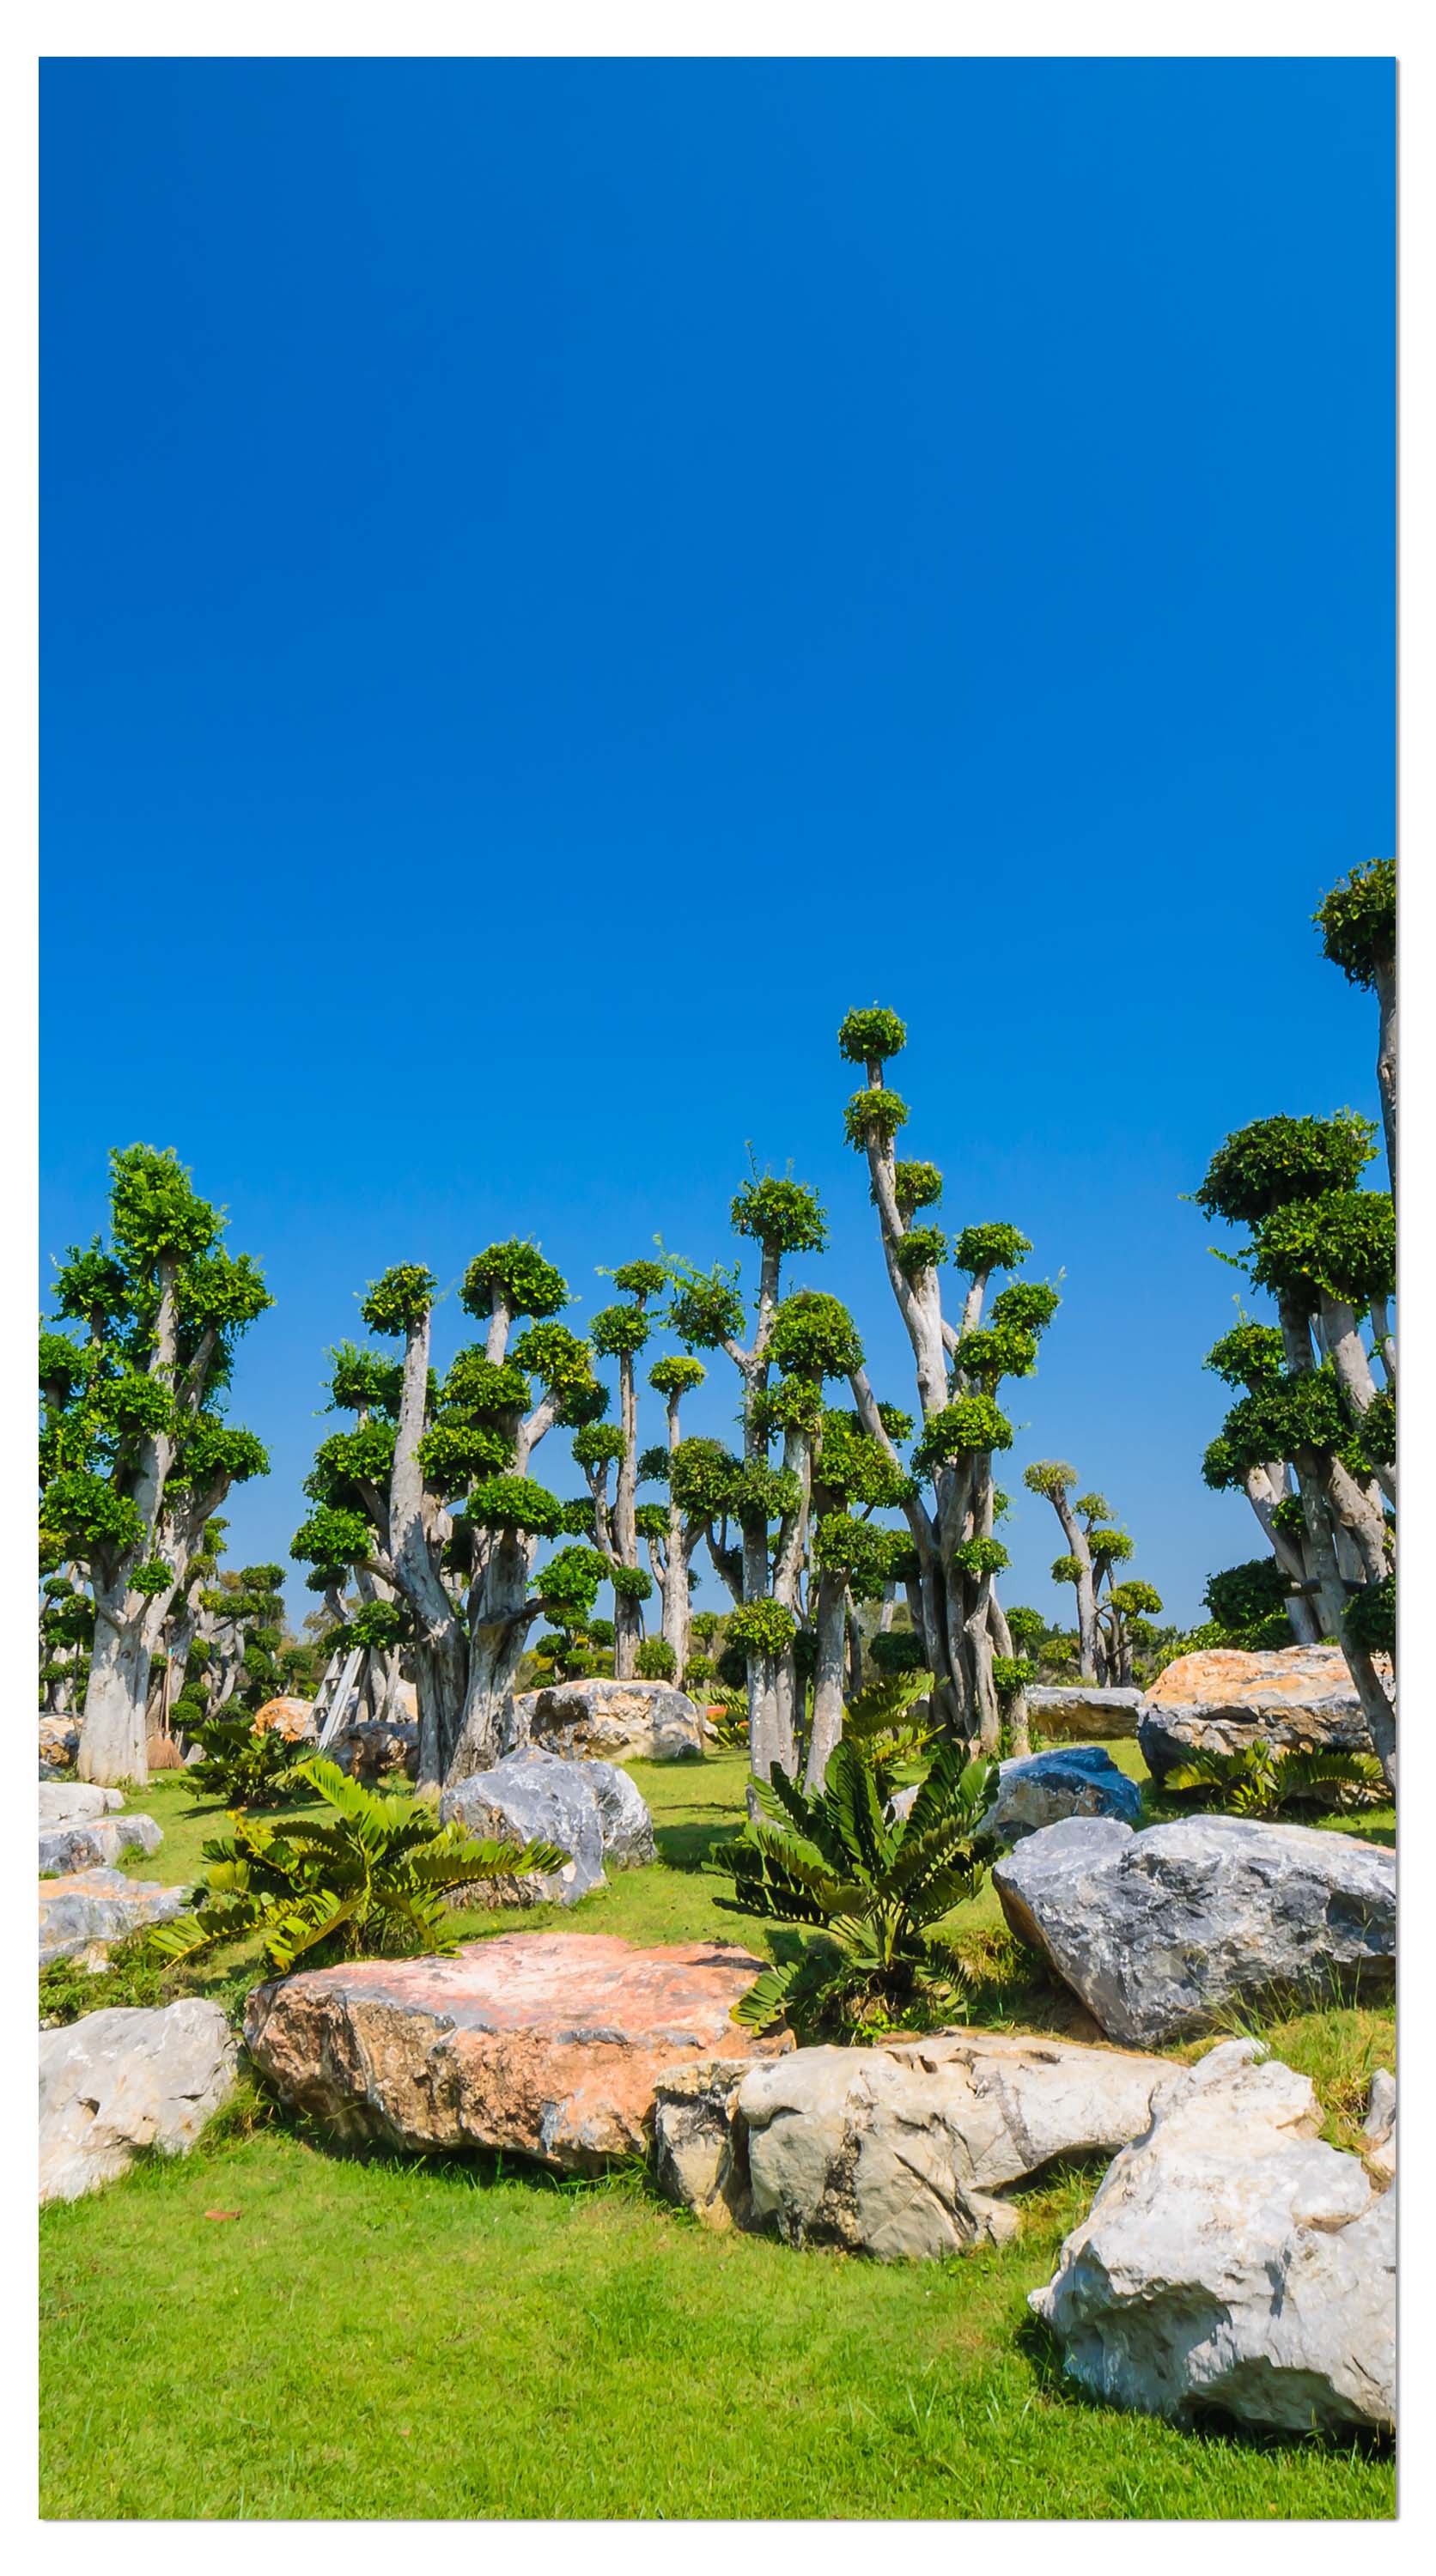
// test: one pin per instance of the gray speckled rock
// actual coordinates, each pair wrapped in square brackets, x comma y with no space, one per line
[118,2082]
[624,1823]
[538,1801]
[1158,1931]
[97,1845]
[617,1721]
[1083,1711]
[1231,2261]
[76,1802]
[1077,1780]
[99,1905]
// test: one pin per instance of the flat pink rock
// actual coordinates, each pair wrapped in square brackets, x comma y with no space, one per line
[545,2044]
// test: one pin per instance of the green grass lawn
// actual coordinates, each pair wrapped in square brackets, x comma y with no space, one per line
[289,2332]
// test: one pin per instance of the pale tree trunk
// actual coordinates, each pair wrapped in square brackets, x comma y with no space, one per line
[498,1636]
[112,1739]
[1017,1716]
[627,1614]
[827,1727]
[1264,1489]
[1386,1060]
[677,1607]
[440,1663]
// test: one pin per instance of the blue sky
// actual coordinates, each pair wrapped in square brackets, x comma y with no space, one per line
[558,578]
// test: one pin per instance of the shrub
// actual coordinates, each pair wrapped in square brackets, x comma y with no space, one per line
[1261,1781]
[368,1880]
[656,1660]
[872,1885]
[244,1766]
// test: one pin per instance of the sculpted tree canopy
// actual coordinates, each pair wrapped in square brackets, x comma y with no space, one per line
[135,1453]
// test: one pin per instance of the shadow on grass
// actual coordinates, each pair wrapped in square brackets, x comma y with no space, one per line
[1211,2425]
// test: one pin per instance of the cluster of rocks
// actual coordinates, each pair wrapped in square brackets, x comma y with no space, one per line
[1083,1712]
[86,1903]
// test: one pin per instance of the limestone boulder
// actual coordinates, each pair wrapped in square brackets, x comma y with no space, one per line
[1043,1788]
[1159,1932]
[624,1821]
[371,1749]
[86,1907]
[59,1740]
[76,1802]
[1299,1698]
[617,1721]
[1233,2263]
[1083,1713]
[119,2083]
[547,2045]
[531,1800]
[906,2150]
[1379,2126]
[98,1844]
[291,1718]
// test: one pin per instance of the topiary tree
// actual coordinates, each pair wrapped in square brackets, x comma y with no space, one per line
[851,1476]
[135,1455]
[1106,1609]
[1053,1478]
[707,1312]
[619,1333]
[1357,921]
[455,1527]
[671,1546]
[1324,1251]
[1253,1356]
[959,1368]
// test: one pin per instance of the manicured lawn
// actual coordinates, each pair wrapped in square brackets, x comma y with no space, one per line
[445,2339]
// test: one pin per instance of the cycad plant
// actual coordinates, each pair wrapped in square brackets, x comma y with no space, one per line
[873,1885]
[244,1765]
[368,1880]
[1260,1780]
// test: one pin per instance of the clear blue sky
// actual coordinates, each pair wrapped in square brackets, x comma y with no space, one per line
[560,578]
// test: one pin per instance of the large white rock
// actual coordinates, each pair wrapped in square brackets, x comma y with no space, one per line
[617,1721]
[97,1845]
[894,2151]
[122,2081]
[1157,1932]
[76,1802]
[1233,2262]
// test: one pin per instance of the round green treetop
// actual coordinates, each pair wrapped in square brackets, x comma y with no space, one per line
[874,1112]
[916,1185]
[1279,1420]
[1343,1243]
[981,1249]
[401,1299]
[620,1331]
[923,1247]
[1001,1352]
[973,1422]
[676,1374]
[515,1503]
[1357,921]
[1049,1476]
[703,1478]
[781,1214]
[598,1444]
[361,1381]
[762,1628]
[703,1313]
[870,1036]
[1028,1305]
[979,1556]
[156,1213]
[1250,1355]
[1275,1160]
[815,1336]
[517,1276]
[484,1386]
[641,1279]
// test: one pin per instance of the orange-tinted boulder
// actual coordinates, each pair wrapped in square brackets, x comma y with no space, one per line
[291,1718]
[542,2044]
[1299,1698]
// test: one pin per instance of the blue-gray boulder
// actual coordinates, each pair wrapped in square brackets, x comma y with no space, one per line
[1046,1788]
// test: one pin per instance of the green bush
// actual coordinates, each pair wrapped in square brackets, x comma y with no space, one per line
[367,1881]
[656,1660]
[1262,1781]
[872,1885]
[244,1766]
